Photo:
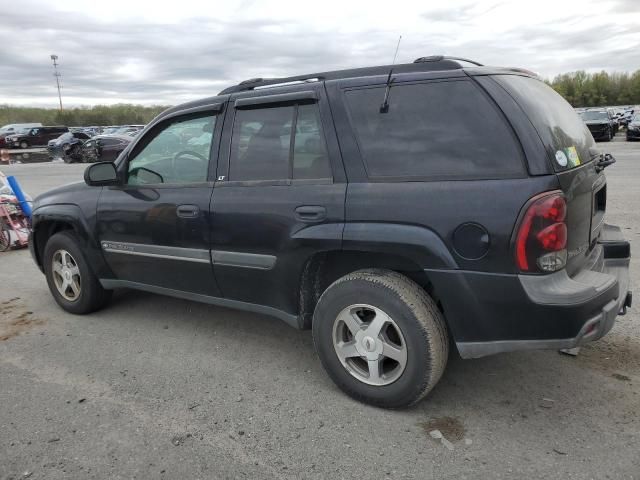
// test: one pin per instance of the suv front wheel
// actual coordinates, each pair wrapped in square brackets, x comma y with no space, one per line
[72,283]
[381,338]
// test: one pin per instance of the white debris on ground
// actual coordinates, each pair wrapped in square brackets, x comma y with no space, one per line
[437,435]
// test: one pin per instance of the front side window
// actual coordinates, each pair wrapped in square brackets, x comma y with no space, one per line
[264,146]
[178,153]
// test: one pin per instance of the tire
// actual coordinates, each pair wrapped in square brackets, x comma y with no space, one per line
[90,296]
[5,237]
[414,321]
[24,144]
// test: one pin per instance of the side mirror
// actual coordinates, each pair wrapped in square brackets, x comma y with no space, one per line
[101,174]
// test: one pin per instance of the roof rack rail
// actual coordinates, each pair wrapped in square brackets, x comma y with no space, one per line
[424,64]
[258,83]
[439,58]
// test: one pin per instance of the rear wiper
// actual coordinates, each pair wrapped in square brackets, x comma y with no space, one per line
[604,161]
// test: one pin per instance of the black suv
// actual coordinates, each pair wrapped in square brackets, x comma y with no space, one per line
[599,123]
[35,137]
[394,210]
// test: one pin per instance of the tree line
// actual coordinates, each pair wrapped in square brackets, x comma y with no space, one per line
[121,114]
[580,89]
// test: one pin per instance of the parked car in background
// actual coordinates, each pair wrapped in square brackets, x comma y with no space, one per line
[104,148]
[110,130]
[614,120]
[131,130]
[9,133]
[67,144]
[627,116]
[633,128]
[599,123]
[16,127]
[35,137]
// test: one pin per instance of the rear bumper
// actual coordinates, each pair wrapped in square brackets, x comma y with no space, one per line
[523,312]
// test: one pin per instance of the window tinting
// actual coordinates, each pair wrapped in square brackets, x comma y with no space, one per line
[433,130]
[261,144]
[557,123]
[310,159]
[179,153]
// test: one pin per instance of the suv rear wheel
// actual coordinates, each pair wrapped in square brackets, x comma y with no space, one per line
[381,338]
[71,282]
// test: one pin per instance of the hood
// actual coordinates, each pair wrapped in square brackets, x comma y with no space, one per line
[64,194]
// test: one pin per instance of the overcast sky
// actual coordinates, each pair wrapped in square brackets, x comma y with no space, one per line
[161,52]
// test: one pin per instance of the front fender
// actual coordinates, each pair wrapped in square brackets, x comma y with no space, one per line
[49,219]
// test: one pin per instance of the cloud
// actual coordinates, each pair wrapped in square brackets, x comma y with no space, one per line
[150,54]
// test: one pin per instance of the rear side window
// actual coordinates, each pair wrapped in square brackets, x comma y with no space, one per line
[436,130]
[260,144]
[565,136]
[278,143]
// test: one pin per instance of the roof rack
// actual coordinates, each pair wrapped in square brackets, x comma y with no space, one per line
[424,64]
[439,58]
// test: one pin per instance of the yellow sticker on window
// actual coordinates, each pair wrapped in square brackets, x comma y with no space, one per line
[572,155]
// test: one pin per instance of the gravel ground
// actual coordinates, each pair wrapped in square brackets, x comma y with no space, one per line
[155,387]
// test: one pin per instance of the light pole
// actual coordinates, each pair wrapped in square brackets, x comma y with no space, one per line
[57,75]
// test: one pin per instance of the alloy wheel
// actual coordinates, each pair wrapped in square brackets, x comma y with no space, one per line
[369,344]
[66,275]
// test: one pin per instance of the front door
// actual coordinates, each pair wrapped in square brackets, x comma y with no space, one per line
[154,229]
[279,198]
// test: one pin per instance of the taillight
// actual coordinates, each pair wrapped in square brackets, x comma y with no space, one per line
[541,240]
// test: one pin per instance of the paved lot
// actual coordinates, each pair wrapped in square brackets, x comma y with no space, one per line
[154,387]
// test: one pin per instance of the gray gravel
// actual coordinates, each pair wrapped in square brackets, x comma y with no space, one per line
[155,387]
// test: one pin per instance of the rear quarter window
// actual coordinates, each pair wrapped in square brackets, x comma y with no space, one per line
[433,131]
[565,136]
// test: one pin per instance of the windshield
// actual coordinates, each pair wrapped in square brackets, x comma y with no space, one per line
[109,131]
[587,116]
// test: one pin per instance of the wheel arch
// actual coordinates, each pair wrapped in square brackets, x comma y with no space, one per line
[324,268]
[407,249]
[51,219]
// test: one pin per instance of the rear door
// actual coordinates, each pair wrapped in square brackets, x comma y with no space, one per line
[279,197]
[571,150]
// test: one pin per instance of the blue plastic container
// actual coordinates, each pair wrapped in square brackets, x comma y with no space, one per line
[17,191]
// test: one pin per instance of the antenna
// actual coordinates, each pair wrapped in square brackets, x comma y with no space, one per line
[384,108]
[397,48]
[57,75]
